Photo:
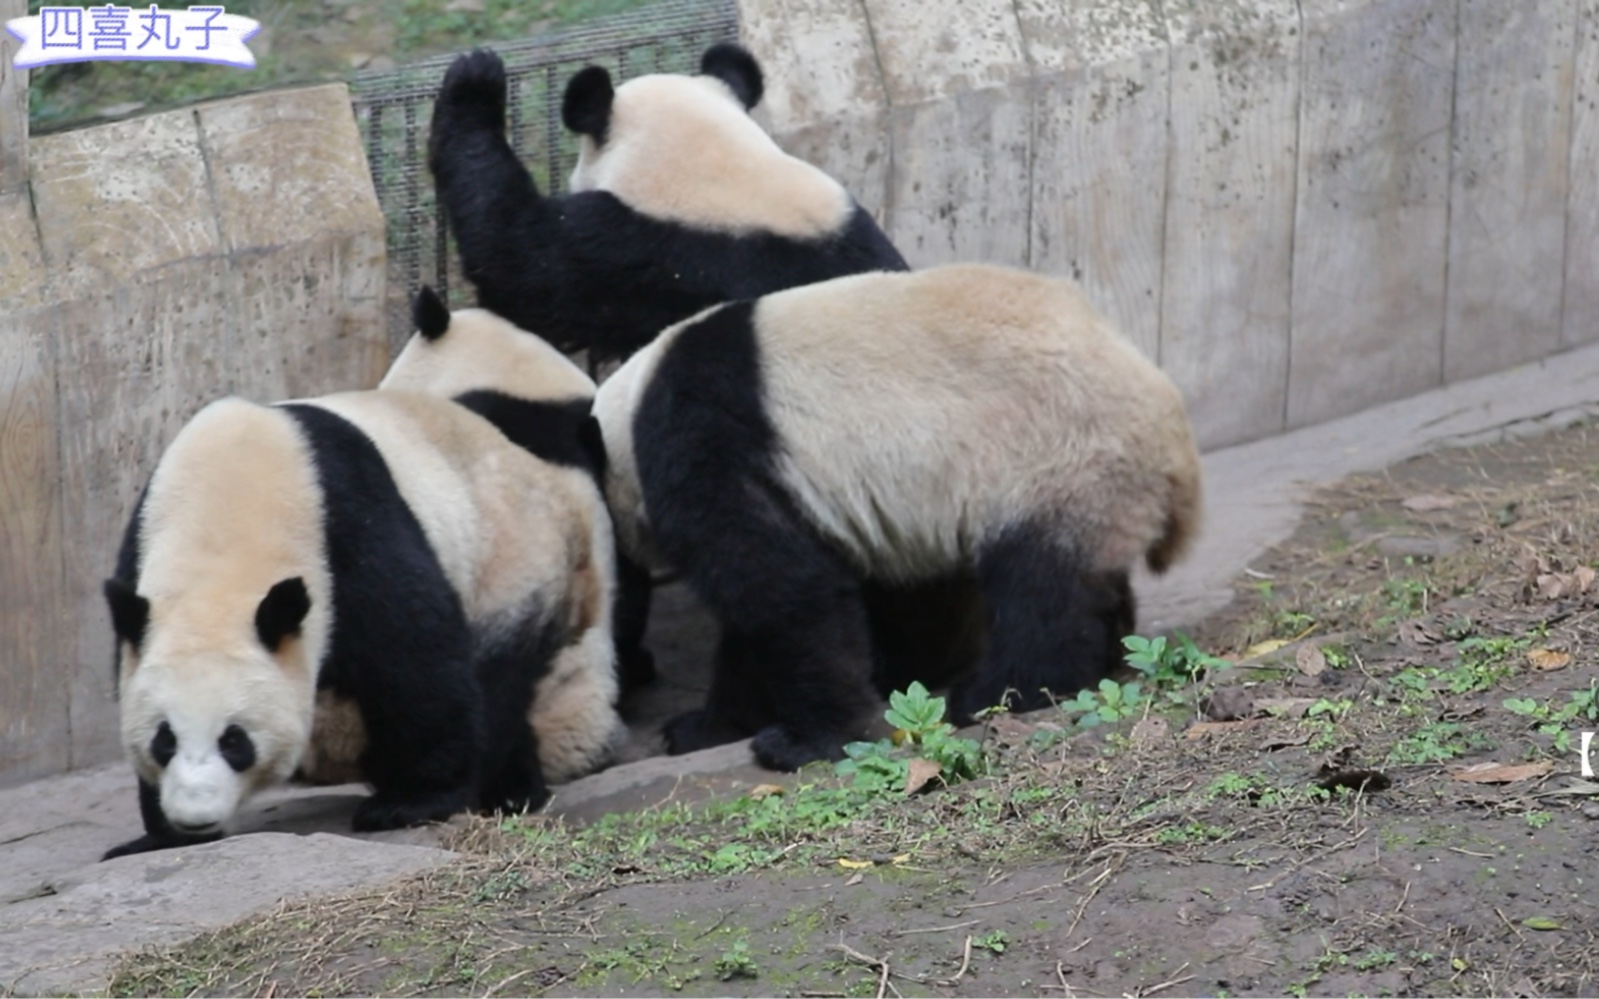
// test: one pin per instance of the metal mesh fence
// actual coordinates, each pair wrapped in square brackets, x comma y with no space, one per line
[393,109]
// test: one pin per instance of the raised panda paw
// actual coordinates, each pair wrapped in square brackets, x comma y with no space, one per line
[779,748]
[473,94]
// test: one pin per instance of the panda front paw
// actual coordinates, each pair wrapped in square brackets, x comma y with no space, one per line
[473,92]
[779,748]
[392,811]
[700,729]
[149,844]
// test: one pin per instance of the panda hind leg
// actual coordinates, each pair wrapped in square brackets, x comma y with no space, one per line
[793,666]
[1054,626]
[927,632]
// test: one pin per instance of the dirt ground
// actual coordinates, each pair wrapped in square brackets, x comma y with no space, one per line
[1379,796]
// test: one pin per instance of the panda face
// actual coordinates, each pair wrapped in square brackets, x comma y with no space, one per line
[216,694]
[210,730]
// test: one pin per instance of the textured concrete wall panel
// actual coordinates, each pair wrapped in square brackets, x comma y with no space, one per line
[1099,162]
[1229,231]
[34,728]
[1371,222]
[1580,312]
[1508,184]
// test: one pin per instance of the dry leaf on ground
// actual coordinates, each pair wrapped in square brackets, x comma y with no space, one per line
[1310,660]
[1429,501]
[1503,773]
[1285,707]
[1198,730]
[1548,659]
[1152,729]
[919,773]
[760,791]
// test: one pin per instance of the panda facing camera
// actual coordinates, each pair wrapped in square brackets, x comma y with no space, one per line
[678,196]
[368,584]
[801,457]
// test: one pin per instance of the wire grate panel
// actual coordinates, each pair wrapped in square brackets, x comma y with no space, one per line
[393,108]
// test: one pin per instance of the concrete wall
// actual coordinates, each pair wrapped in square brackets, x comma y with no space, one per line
[1300,208]
[146,268]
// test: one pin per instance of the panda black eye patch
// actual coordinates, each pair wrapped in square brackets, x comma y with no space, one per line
[237,748]
[163,745]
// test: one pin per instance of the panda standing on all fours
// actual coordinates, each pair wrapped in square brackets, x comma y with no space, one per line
[679,201]
[367,584]
[788,452]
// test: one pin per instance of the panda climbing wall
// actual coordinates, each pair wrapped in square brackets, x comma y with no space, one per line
[540,400]
[679,201]
[785,452]
[389,550]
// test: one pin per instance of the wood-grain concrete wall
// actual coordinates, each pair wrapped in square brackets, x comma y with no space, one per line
[1300,208]
[146,268]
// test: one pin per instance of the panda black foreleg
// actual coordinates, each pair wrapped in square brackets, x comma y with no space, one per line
[1054,626]
[158,832]
[424,716]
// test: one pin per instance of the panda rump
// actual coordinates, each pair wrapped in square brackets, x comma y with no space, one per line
[895,429]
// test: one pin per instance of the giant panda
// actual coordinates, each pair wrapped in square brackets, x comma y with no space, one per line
[785,453]
[540,400]
[679,201]
[362,584]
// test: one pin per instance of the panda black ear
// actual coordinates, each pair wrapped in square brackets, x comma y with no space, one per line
[734,66]
[586,108]
[281,613]
[430,314]
[130,613]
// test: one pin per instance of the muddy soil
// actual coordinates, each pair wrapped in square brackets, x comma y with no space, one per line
[1380,796]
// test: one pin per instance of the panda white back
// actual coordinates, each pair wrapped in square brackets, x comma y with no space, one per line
[684,149]
[993,396]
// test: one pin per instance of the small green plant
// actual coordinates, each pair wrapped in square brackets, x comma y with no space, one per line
[1556,722]
[736,962]
[1170,664]
[1538,819]
[1406,597]
[996,941]
[1109,704]
[919,727]
[1435,742]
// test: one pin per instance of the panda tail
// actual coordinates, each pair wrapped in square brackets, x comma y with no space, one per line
[1183,515]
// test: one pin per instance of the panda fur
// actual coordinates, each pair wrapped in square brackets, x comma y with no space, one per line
[787,453]
[389,551]
[679,201]
[540,400]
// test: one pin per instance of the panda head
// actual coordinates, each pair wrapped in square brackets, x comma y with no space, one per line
[684,149]
[214,698]
[474,350]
